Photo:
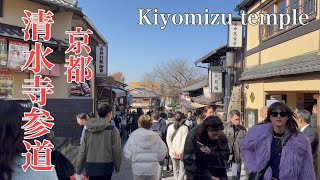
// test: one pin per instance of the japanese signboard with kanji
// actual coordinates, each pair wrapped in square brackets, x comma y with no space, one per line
[16,57]
[39,121]
[78,66]
[101,61]
[3,53]
[215,82]
[235,34]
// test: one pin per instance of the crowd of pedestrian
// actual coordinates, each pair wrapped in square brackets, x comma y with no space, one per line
[192,146]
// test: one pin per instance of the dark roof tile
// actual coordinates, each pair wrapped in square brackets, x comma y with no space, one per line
[16,32]
[296,65]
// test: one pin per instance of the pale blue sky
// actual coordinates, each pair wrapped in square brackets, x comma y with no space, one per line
[135,49]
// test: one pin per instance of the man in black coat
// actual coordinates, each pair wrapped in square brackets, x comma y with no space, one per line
[135,119]
[304,118]
[313,122]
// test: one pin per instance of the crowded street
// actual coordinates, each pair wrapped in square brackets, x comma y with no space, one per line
[126,172]
[159,90]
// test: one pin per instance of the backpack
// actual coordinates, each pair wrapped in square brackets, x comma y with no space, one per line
[63,166]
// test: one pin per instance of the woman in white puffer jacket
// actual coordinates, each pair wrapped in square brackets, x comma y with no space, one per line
[145,149]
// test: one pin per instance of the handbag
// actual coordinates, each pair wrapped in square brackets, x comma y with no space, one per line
[259,175]
[63,166]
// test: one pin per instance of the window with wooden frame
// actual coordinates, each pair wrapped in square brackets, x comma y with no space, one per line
[268,30]
[309,7]
[286,7]
[281,9]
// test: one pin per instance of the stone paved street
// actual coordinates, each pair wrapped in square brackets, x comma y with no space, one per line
[126,173]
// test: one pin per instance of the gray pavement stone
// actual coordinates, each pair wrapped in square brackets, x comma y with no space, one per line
[126,172]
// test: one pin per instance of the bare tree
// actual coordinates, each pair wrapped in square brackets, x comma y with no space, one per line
[173,75]
[118,76]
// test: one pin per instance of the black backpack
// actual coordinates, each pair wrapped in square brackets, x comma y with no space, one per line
[63,166]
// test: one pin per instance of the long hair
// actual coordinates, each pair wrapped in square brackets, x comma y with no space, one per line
[212,123]
[291,123]
[11,136]
[179,120]
[205,109]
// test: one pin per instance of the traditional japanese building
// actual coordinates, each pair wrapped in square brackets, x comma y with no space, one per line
[223,88]
[196,96]
[68,100]
[144,99]
[283,64]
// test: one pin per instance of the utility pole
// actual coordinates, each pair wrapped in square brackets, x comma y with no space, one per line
[110,82]
[228,86]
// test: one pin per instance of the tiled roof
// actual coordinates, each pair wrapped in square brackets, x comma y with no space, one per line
[143,93]
[213,55]
[204,100]
[61,3]
[198,85]
[16,32]
[296,65]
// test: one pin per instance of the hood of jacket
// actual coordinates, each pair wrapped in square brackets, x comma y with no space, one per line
[144,137]
[96,125]
[296,158]
[170,121]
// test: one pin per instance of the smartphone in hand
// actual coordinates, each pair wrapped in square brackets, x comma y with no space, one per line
[200,144]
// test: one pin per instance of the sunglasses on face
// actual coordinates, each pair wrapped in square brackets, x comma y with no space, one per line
[282,114]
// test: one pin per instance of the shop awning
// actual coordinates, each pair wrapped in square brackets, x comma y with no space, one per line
[296,65]
[198,105]
[187,105]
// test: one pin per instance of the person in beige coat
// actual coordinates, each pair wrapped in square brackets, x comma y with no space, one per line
[176,138]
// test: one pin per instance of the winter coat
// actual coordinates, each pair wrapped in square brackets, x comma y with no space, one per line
[234,138]
[313,137]
[176,145]
[100,151]
[19,174]
[296,157]
[135,121]
[170,121]
[314,120]
[145,149]
[164,129]
[204,166]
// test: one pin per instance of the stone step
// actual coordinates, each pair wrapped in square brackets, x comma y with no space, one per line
[62,144]
[72,154]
